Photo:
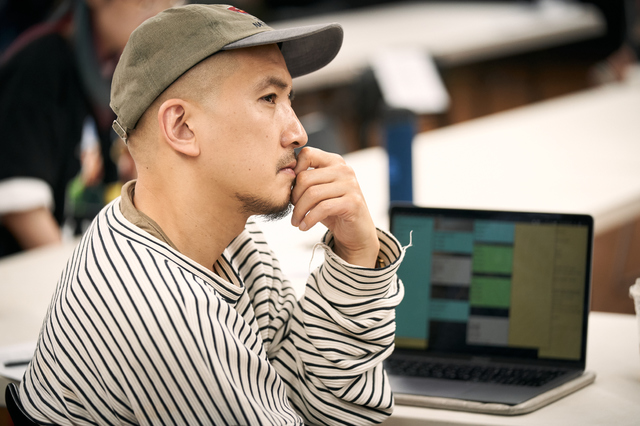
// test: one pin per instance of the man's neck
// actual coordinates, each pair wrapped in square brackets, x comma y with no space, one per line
[199,232]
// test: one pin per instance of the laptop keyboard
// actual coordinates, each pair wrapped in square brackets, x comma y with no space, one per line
[487,374]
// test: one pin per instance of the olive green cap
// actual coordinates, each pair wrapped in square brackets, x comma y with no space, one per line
[169,44]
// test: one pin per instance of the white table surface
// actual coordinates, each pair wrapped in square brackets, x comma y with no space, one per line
[453,33]
[575,154]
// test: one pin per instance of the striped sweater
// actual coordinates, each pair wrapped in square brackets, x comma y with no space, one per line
[138,333]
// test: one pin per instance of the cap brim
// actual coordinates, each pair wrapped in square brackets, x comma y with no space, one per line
[305,49]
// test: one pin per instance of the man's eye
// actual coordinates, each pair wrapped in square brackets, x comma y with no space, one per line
[270,98]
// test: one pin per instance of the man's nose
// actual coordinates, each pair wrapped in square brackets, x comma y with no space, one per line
[293,132]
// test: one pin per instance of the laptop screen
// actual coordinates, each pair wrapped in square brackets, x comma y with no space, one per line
[497,284]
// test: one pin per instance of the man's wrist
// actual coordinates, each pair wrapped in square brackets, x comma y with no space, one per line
[367,257]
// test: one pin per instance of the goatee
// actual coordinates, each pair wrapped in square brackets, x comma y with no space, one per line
[264,208]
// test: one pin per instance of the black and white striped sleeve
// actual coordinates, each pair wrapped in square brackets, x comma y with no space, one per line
[330,352]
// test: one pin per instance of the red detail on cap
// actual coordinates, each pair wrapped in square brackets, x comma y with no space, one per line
[235,9]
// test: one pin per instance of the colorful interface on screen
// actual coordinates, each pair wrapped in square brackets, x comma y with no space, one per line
[478,285]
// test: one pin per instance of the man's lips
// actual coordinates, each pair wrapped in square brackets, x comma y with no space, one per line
[291,165]
[289,168]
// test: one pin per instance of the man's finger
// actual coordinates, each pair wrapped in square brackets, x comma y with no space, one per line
[309,178]
[311,198]
[323,210]
[315,158]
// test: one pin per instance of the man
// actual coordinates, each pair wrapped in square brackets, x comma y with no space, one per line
[173,309]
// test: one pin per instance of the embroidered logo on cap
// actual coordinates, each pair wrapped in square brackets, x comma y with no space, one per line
[257,23]
[235,9]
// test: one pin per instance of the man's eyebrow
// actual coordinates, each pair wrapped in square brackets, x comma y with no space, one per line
[275,82]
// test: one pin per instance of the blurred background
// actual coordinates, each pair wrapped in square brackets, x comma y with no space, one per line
[480,58]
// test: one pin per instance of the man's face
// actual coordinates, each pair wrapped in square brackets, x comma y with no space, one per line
[251,132]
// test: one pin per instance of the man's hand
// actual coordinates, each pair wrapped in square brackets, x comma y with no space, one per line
[327,191]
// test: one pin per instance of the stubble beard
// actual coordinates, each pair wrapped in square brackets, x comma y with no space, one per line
[268,209]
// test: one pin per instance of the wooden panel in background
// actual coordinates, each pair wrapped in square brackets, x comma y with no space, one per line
[616,266]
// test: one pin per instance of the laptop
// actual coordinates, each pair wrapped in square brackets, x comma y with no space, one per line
[496,303]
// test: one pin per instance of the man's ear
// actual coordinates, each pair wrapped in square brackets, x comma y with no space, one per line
[173,118]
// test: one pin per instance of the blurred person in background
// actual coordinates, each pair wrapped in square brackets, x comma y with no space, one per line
[18,15]
[618,49]
[57,141]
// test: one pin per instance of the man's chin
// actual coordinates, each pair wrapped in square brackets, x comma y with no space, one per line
[278,214]
[268,209]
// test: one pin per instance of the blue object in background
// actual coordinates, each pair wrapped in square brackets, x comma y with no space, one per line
[400,128]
